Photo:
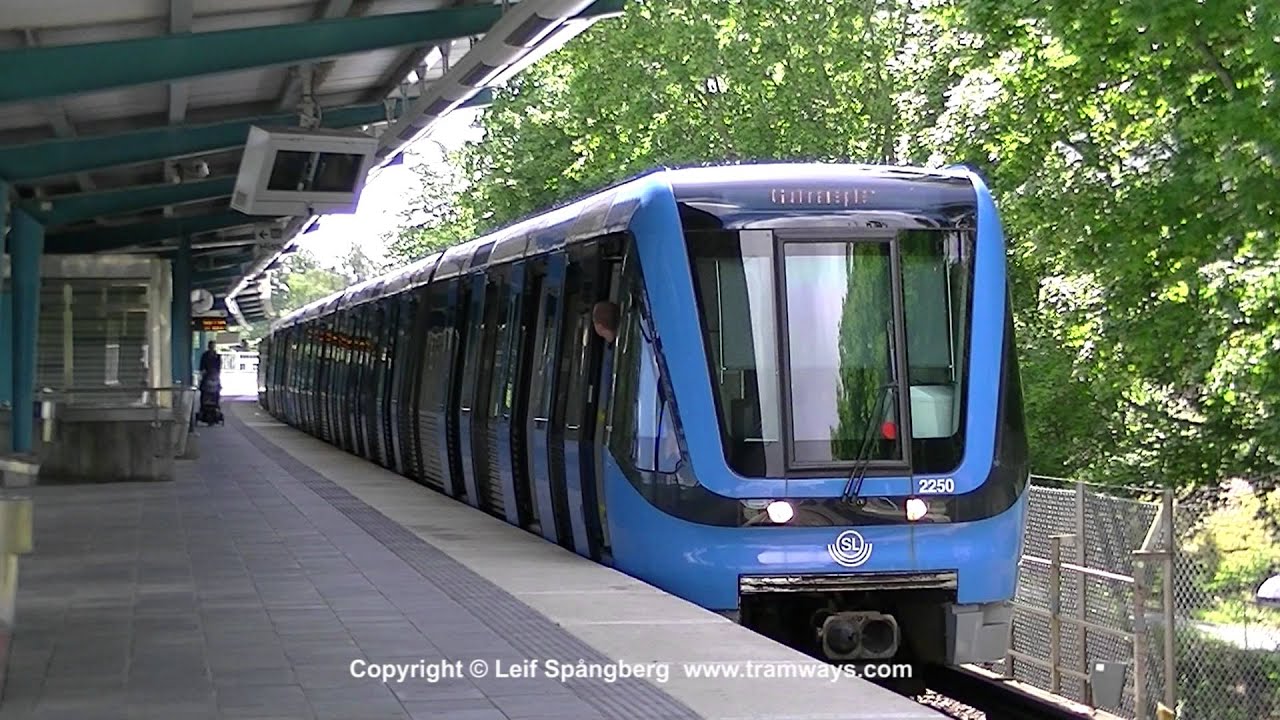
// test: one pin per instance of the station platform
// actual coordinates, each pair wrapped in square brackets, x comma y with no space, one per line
[270,576]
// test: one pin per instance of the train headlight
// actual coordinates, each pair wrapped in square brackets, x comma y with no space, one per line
[916,509]
[780,512]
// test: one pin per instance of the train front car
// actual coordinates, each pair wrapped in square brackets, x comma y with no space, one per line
[827,441]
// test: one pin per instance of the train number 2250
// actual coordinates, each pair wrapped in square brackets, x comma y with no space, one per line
[937,486]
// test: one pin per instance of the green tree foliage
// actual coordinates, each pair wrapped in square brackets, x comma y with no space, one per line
[1133,147]
[682,82]
[304,279]
[437,219]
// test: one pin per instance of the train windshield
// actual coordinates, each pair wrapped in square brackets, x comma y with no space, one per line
[807,337]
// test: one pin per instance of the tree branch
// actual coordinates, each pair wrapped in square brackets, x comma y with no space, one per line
[1224,75]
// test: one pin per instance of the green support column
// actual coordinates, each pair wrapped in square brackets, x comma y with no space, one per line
[26,244]
[180,322]
[198,351]
[6,342]
[6,319]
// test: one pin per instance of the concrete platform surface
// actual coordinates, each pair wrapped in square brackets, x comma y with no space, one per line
[277,573]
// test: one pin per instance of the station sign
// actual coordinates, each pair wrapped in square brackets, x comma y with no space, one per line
[209,324]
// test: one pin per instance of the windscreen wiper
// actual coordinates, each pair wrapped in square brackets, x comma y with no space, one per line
[853,488]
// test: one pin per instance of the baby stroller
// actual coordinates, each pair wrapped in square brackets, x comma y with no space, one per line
[210,412]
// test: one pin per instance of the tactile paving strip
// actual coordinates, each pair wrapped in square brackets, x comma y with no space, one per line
[524,628]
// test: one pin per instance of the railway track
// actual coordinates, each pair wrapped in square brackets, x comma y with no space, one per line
[1000,699]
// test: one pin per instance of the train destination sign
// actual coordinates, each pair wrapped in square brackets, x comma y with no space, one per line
[208,324]
[847,197]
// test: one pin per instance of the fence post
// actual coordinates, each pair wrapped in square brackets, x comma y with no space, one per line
[1055,611]
[1082,583]
[1170,649]
[1139,639]
[1008,654]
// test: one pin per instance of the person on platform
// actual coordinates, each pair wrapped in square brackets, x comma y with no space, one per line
[210,362]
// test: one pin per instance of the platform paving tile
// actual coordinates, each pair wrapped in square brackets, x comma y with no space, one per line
[245,589]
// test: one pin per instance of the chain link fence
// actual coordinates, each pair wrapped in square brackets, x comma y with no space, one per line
[1099,585]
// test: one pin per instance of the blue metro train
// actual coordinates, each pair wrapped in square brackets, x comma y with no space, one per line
[785,392]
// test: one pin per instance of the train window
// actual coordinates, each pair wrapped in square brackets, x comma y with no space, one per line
[642,429]
[839,306]
[836,297]
[472,296]
[544,355]
[657,448]
[937,291]
[934,293]
[498,343]
[733,277]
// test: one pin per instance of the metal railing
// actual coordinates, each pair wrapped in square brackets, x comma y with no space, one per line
[1113,594]
[114,396]
[156,405]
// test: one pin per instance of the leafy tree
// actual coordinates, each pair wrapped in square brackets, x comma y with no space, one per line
[357,266]
[304,280]
[437,220]
[680,82]
[1133,148]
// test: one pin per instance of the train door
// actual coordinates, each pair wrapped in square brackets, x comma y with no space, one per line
[437,422]
[322,380]
[364,392]
[549,496]
[598,269]
[470,306]
[331,382]
[304,366]
[291,376]
[308,376]
[601,362]
[338,383]
[373,382]
[301,382]
[372,390]
[355,385]
[515,402]
[323,377]
[574,419]
[457,311]
[390,450]
[484,445]
[352,384]
[413,325]
[395,379]
[286,371]
[342,382]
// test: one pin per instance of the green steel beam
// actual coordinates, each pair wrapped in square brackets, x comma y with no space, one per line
[219,263]
[44,72]
[64,156]
[221,274]
[113,238]
[68,209]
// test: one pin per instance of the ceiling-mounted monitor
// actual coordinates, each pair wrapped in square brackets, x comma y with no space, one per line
[294,171]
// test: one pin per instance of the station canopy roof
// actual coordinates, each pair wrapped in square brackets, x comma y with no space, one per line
[123,122]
